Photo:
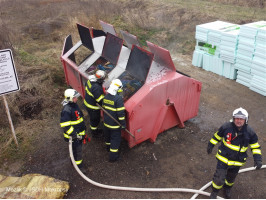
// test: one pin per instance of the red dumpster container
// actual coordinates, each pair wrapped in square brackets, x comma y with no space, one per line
[157,97]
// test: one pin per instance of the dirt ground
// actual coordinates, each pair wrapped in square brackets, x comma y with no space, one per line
[178,158]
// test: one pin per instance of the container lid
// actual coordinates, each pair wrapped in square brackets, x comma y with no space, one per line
[108,28]
[112,48]
[85,36]
[67,46]
[139,63]
[161,56]
[130,39]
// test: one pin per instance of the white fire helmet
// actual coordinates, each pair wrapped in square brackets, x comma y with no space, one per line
[100,74]
[92,78]
[115,86]
[70,94]
[240,113]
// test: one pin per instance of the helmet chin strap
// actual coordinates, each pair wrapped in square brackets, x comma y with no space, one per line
[239,127]
[64,102]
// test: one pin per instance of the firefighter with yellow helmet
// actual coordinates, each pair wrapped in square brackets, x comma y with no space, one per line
[72,123]
[235,137]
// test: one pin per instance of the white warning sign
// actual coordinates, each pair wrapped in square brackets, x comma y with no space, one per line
[8,75]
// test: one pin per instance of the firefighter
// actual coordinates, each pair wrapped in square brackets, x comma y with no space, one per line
[72,123]
[235,137]
[94,93]
[114,105]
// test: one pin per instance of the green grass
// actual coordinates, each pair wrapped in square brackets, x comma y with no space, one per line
[58,77]
[219,10]
[143,34]
[12,153]
[26,58]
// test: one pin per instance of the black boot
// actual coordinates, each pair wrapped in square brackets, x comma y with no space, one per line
[113,157]
[95,134]
[115,160]
[81,167]
[214,193]
[100,131]
[108,148]
[227,192]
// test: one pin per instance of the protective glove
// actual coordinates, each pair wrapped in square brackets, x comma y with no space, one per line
[66,139]
[79,137]
[257,164]
[209,147]
[86,139]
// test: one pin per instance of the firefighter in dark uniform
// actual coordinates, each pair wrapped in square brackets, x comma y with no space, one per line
[114,105]
[94,93]
[72,123]
[235,137]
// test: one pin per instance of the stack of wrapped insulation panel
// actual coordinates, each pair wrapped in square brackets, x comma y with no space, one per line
[258,66]
[245,51]
[216,47]
[233,51]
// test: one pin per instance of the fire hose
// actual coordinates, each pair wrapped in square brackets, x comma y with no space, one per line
[240,171]
[196,192]
[129,188]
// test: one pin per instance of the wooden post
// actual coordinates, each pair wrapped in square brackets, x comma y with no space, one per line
[10,121]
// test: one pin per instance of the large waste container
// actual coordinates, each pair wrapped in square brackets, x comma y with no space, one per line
[157,97]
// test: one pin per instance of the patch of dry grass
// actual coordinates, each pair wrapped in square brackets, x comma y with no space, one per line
[26,135]
[41,27]
[5,36]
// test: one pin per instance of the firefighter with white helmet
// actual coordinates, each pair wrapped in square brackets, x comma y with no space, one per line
[72,123]
[94,94]
[235,137]
[114,105]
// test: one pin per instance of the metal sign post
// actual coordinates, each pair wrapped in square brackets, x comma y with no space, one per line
[8,81]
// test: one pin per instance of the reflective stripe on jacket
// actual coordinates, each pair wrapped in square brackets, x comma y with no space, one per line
[234,144]
[72,120]
[94,93]
[114,105]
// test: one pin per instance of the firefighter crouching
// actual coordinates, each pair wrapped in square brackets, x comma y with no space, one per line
[72,123]
[114,105]
[235,137]
[94,93]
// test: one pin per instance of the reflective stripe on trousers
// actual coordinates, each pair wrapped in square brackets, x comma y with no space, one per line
[113,137]
[224,175]
[77,151]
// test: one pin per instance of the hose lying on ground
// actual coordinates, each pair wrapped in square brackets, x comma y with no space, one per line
[240,171]
[196,192]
